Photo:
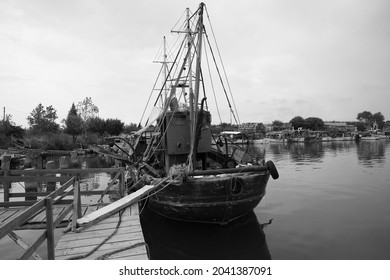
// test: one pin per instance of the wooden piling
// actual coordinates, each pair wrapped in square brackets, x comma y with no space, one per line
[64,162]
[49,228]
[30,187]
[51,186]
[7,185]
[73,159]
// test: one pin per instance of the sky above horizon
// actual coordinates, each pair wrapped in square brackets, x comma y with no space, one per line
[328,59]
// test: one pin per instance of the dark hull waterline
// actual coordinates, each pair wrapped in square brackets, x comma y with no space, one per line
[210,199]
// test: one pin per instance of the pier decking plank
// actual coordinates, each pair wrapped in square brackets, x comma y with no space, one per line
[129,234]
[7,213]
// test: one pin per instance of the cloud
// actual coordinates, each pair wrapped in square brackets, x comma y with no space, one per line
[283,58]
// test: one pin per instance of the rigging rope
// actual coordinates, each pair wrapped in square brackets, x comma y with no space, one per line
[223,67]
[219,75]
[212,84]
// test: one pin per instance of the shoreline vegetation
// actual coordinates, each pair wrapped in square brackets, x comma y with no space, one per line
[83,127]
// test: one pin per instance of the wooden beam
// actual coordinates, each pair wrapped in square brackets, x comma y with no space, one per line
[30,251]
[7,185]
[49,228]
[114,207]
[13,179]
[18,240]
[76,205]
[63,171]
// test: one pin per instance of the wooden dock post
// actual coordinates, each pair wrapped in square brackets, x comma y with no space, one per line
[64,162]
[49,228]
[30,187]
[51,186]
[76,204]
[7,185]
[73,159]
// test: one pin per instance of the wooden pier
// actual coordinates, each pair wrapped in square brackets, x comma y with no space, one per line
[117,237]
[92,231]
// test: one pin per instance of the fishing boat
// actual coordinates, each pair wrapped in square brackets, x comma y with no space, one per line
[175,150]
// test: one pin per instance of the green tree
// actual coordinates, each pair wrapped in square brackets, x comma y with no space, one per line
[369,119]
[260,128]
[297,122]
[114,126]
[314,123]
[8,128]
[95,125]
[74,123]
[42,120]
[364,116]
[87,110]
[277,125]
[130,127]
[379,119]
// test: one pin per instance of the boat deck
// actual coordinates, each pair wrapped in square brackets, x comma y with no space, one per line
[116,237]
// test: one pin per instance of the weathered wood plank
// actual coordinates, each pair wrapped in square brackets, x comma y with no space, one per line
[18,240]
[110,246]
[114,207]
[8,213]
[93,241]
[49,228]
[134,209]
[138,253]
[73,171]
[142,256]
[14,179]
[111,225]
[30,251]
[98,233]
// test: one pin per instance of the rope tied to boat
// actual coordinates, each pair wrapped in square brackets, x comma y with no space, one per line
[79,257]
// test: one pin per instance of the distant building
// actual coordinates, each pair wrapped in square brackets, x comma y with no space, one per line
[340,126]
[248,127]
[286,126]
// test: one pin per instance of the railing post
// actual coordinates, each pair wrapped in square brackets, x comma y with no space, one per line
[30,187]
[122,186]
[51,186]
[49,228]
[76,204]
[7,185]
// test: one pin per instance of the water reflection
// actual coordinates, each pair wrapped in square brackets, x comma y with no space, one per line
[168,239]
[371,153]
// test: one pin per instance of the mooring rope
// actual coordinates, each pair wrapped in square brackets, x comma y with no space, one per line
[101,243]
[106,255]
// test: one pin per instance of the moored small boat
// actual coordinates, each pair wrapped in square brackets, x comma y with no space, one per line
[199,178]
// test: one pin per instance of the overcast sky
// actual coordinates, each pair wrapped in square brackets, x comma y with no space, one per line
[327,59]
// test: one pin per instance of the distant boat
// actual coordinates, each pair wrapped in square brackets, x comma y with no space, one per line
[197,182]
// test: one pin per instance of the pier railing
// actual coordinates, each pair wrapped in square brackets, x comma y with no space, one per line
[34,176]
[45,204]
[37,202]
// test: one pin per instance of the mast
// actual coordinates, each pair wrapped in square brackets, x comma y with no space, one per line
[191,92]
[165,65]
[194,118]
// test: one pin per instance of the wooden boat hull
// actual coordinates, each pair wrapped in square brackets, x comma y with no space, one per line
[210,199]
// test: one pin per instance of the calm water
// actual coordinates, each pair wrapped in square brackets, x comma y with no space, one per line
[330,202]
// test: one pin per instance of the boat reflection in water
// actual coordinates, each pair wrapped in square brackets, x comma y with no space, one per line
[243,238]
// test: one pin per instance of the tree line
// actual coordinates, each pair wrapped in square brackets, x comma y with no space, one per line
[83,120]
